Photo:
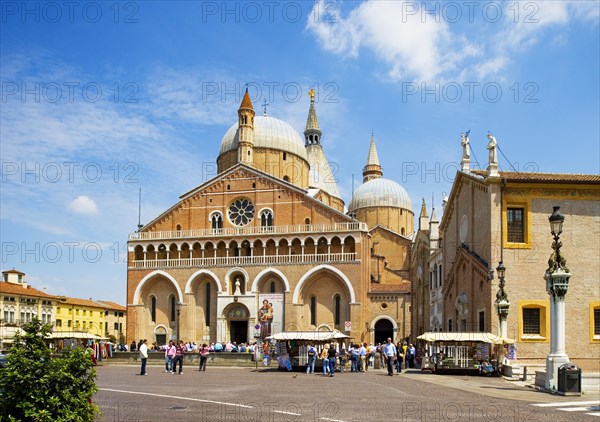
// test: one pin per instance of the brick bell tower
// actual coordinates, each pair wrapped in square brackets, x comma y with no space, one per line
[245,130]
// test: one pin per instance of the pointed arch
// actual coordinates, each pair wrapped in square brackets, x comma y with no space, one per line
[316,269]
[153,274]
[266,272]
[227,278]
[188,284]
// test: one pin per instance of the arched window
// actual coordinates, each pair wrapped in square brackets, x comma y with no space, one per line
[178,228]
[402,231]
[313,310]
[173,310]
[216,221]
[337,308]
[153,308]
[272,287]
[266,218]
[284,156]
[307,221]
[441,275]
[286,178]
[207,305]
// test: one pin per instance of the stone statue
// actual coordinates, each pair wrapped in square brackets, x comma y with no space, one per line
[492,148]
[237,290]
[464,141]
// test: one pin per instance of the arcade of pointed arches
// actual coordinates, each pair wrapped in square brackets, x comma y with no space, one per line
[255,284]
[282,246]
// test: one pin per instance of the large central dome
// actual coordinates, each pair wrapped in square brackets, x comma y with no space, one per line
[270,133]
[380,192]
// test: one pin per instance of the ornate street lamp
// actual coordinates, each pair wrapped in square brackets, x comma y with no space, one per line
[557,284]
[502,303]
[178,306]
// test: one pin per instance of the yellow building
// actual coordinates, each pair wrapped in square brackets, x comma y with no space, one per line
[267,243]
[79,318]
[20,303]
[115,320]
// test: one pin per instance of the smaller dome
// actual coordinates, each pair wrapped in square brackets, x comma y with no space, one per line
[380,192]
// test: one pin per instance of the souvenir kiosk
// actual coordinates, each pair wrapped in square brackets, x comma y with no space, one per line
[292,346]
[471,353]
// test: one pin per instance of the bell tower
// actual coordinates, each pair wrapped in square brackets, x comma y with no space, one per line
[372,170]
[245,130]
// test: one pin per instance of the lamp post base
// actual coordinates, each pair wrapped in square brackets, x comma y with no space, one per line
[553,362]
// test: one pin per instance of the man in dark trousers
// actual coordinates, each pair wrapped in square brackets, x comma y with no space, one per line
[389,350]
[143,356]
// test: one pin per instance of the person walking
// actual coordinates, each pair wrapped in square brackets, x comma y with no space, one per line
[180,349]
[411,355]
[331,355]
[143,356]
[325,359]
[354,356]
[390,354]
[399,357]
[169,356]
[342,357]
[312,358]
[363,358]
[204,351]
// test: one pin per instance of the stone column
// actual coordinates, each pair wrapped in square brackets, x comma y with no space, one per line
[556,284]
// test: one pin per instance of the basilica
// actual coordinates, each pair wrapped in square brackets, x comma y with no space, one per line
[269,245]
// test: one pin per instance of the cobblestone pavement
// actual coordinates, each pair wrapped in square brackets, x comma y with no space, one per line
[242,394]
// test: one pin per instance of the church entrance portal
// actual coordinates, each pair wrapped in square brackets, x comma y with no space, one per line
[383,329]
[239,331]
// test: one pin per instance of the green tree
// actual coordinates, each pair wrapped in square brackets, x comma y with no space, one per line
[34,386]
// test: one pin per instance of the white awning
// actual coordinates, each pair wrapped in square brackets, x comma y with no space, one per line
[75,334]
[308,335]
[473,336]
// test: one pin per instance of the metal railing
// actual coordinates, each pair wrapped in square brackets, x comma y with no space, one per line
[237,231]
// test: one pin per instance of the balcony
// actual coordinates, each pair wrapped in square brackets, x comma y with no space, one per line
[349,257]
[254,231]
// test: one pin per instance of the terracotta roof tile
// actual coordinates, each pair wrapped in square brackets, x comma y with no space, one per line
[112,305]
[512,176]
[81,302]
[246,102]
[19,289]
[13,271]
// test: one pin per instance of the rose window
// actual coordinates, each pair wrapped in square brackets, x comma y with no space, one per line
[241,212]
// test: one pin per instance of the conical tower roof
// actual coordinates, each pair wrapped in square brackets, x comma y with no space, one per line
[372,169]
[372,158]
[246,102]
[312,123]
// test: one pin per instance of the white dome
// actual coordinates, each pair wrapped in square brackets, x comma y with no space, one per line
[380,192]
[268,133]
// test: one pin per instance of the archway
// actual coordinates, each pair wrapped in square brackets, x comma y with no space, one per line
[383,329]
[237,315]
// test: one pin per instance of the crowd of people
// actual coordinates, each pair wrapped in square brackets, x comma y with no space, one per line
[362,357]
[175,351]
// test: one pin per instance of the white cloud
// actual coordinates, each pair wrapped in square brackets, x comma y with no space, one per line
[83,205]
[426,46]
[411,46]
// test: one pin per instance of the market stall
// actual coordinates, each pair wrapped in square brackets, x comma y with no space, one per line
[463,353]
[292,346]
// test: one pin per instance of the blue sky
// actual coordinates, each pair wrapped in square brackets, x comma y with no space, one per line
[100,99]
